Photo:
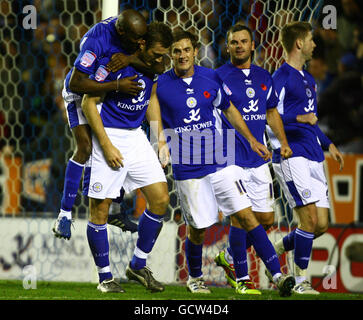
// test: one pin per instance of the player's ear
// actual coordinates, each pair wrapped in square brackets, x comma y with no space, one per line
[195,52]
[299,43]
[253,45]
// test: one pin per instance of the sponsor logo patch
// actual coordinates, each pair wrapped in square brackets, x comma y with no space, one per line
[88,58]
[101,73]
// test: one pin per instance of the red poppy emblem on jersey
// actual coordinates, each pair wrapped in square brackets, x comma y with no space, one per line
[264,88]
[206,94]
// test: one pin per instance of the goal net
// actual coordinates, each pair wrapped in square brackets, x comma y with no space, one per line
[36,143]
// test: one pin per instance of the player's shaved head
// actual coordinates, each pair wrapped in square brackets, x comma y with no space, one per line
[133,21]
[131,25]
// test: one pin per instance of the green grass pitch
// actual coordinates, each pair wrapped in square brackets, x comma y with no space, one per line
[48,290]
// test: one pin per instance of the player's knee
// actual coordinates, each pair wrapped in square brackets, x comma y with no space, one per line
[266,219]
[308,218]
[246,219]
[83,151]
[160,203]
[196,235]
[320,229]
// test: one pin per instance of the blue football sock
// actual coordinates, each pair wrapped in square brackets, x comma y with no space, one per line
[303,247]
[237,246]
[72,180]
[193,254]
[98,243]
[148,231]
[264,249]
[289,241]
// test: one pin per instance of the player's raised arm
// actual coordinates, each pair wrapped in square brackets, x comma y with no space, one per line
[236,120]
[153,116]
[274,121]
[89,107]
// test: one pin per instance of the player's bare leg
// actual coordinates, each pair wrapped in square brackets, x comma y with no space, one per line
[98,243]
[323,221]
[266,219]
[150,225]
[73,174]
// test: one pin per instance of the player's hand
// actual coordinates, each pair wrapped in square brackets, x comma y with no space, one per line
[129,86]
[309,118]
[285,151]
[336,155]
[164,154]
[113,156]
[261,150]
[118,61]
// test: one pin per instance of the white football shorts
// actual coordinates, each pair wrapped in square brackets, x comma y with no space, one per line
[303,181]
[259,186]
[201,199]
[72,103]
[141,165]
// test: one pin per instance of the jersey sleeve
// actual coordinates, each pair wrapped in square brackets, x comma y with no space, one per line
[280,84]
[324,140]
[91,50]
[272,98]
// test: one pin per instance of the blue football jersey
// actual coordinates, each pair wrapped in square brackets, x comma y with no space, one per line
[252,92]
[98,42]
[297,95]
[119,110]
[189,119]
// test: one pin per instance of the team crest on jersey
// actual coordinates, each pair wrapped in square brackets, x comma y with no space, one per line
[97,187]
[101,73]
[306,193]
[250,92]
[191,102]
[308,92]
[88,58]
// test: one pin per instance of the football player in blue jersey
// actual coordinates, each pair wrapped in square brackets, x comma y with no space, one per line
[188,96]
[253,94]
[301,176]
[122,157]
[123,33]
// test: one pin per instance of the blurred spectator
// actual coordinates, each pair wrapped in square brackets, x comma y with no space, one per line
[341,109]
[350,18]
[348,62]
[319,70]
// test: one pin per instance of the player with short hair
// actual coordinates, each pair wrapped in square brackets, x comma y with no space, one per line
[253,94]
[188,96]
[301,177]
[123,157]
[123,34]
